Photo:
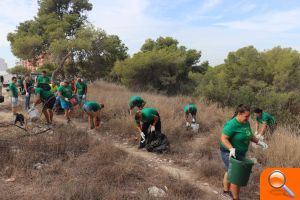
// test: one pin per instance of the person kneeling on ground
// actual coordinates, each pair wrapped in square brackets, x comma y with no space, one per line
[264,121]
[136,101]
[92,109]
[190,109]
[65,93]
[48,100]
[235,139]
[145,118]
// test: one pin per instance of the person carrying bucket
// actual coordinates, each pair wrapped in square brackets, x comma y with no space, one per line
[65,93]
[136,101]
[92,109]
[190,110]
[264,122]
[145,118]
[234,142]
[48,99]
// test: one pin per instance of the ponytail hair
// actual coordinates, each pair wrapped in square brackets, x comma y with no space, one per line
[241,109]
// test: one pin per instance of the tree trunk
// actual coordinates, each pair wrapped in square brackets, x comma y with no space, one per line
[60,67]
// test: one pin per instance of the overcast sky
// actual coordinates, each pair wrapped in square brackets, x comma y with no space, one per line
[213,26]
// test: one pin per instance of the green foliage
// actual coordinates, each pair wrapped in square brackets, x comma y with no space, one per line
[99,60]
[269,79]
[18,70]
[58,31]
[161,65]
[48,67]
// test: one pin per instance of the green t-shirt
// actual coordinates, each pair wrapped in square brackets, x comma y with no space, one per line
[42,79]
[136,101]
[44,94]
[81,87]
[13,90]
[190,108]
[240,135]
[66,91]
[266,117]
[19,82]
[148,115]
[93,105]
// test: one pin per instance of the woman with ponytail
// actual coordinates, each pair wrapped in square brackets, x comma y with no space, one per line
[235,139]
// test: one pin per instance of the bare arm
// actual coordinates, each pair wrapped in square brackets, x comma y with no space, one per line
[254,139]
[25,86]
[37,100]
[263,128]
[256,126]
[156,118]
[225,141]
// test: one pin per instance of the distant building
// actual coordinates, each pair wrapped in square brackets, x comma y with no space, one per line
[3,65]
[33,67]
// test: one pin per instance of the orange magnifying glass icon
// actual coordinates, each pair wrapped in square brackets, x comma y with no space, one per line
[277,180]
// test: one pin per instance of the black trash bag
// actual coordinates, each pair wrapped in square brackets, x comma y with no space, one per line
[157,142]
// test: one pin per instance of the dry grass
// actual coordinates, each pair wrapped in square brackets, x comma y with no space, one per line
[200,152]
[75,167]
[78,168]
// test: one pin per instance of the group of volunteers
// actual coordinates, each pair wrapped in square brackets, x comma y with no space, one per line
[64,95]
[234,141]
[235,138]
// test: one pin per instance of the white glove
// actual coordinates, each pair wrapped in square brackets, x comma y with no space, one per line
[188,124]
[256,133]
[83,96]
[143,137]
[152,129]
[27,94]
[262,144]
[232,153]
[193,120]
[66,99]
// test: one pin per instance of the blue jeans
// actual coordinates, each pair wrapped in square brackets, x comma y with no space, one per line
[27,102]
[225,157]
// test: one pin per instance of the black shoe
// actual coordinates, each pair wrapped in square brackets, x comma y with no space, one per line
[141,146]
[227,195]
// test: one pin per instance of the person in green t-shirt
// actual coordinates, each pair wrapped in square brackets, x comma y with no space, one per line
[13,93]
[80,90]
[20,84]
[92,109]
[235,139]
[190,109]
[145,118]
[136,101]
[65,93]
[48,99]
[264,122]
[43,79]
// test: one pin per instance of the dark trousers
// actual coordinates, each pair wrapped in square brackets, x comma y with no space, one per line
[145,130]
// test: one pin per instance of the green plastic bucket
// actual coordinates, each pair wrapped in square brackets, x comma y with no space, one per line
[239,171]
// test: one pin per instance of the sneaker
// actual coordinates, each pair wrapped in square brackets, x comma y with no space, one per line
[227,195]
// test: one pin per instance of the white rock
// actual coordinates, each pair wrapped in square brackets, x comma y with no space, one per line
[156,192]
[38,166]
[10,180]
[205,184]
[216,192]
